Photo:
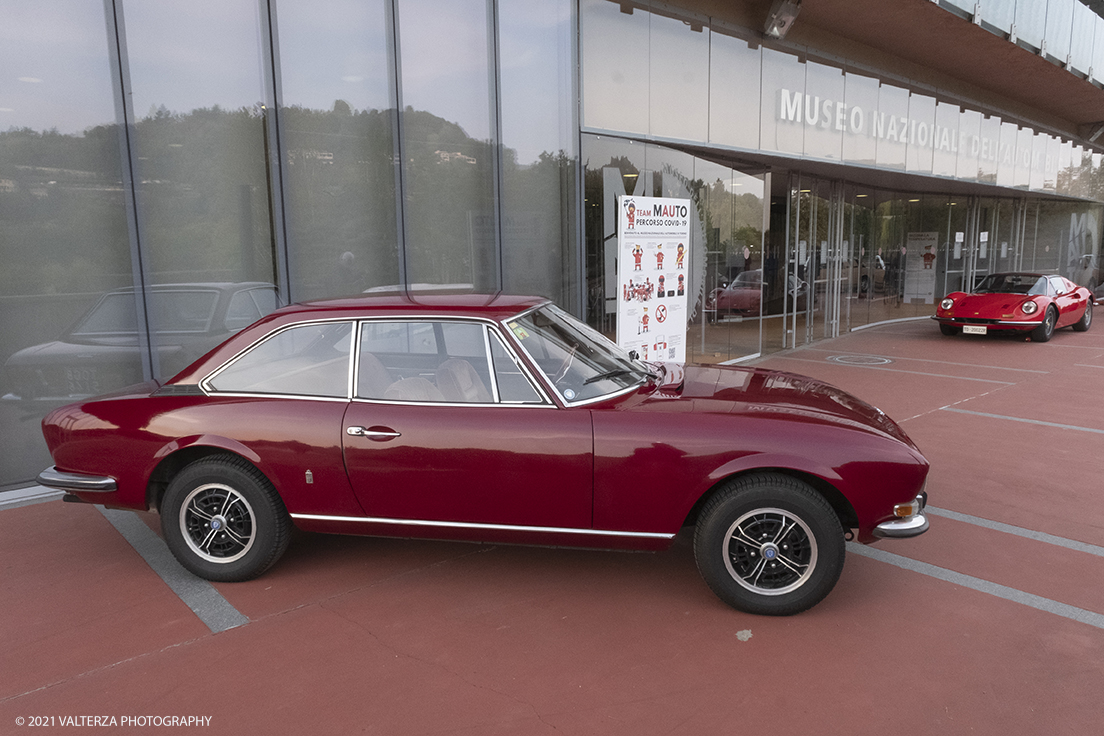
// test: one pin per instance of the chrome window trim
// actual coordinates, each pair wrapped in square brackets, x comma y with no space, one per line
[490,364]
[582,402]
[487,527]
[481,321]
[205,383]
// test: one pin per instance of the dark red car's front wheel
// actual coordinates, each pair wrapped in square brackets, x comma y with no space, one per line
[223,520]
[769,544]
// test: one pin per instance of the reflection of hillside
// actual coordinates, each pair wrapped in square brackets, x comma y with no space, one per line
[204,192]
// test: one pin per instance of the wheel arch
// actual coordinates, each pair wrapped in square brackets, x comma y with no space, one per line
[171,464]
[839,503]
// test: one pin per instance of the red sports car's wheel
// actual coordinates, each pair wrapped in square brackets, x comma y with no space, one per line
[1045,331]
[769,544]
[1086,319]
[223,520]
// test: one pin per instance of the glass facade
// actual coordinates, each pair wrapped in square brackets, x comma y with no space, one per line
[171,171]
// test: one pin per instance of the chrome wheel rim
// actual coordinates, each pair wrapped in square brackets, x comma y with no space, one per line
[217,523]
[770,551]
[1048,326]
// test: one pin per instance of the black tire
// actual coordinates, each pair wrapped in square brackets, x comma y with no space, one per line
[1045,331]
[252,527]
[769,544]
[1082,325]
[864,284]
[949,330]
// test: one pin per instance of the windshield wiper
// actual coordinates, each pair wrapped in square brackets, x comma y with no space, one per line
[617,372]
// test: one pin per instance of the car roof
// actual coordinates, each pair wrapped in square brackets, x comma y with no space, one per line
[496,307]
[489,306]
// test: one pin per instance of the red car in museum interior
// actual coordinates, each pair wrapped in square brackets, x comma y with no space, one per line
[1031,303]
[492,419]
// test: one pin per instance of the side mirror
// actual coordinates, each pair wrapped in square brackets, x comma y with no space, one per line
[634,355]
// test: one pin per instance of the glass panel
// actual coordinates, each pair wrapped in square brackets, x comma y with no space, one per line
[969,145]
[514,386]
[999,14]
[540,146]
[200,147]
[825,113]
[890,126]
[63,233]
[944,157]
[1031,16]
[783,103]
[922,131]
[449,162]
[615,92]
[1098,50]
[989,155]
[310,360]
[734,79]
[1081,44]
[339,163]
[679,79]
[1059,27]
[859,146]
[1006,167]
[1025,139]
[424,361]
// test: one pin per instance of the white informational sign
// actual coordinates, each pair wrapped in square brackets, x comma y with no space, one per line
[921,251]
[653,267]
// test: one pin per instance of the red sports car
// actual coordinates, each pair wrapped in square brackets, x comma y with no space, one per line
[1023,302]
[495,419]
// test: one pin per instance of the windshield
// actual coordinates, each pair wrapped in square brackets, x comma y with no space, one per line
[1012,283]
[576,359]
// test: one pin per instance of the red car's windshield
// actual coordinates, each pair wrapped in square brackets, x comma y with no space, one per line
[1012,283]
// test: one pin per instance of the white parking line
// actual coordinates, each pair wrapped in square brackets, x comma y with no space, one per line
[1018,531]
[1021,419]
[199,595]
[983,586]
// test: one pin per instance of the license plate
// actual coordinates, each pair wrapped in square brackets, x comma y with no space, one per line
[974,329]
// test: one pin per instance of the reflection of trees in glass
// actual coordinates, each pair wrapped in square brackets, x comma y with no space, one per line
[450,205]
[62,219]
[203,195]
[340,200]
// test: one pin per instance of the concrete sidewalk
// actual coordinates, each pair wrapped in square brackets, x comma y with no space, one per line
[991,623]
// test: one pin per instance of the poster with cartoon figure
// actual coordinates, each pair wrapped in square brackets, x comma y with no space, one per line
[921,254]
[653,248]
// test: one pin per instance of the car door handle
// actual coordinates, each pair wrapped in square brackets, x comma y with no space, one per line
[379,434]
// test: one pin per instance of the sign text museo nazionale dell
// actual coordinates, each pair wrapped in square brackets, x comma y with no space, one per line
[829,114]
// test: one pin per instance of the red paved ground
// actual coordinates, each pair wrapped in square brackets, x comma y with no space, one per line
[399,637]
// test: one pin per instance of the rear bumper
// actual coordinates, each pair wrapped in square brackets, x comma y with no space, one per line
[51,477]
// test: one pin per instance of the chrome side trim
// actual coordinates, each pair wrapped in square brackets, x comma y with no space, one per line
[489,527]
[51,477]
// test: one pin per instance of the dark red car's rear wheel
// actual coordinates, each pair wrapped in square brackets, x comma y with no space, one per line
[223,520]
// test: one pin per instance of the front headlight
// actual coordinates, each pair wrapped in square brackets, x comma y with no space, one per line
[1030,307]
[946,303]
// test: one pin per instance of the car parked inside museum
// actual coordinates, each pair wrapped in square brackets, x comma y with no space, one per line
[493,419]
[1031,303]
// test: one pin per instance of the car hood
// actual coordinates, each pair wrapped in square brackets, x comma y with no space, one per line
[985,304]
[757,391]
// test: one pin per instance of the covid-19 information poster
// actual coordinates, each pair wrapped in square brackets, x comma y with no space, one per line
[653,276]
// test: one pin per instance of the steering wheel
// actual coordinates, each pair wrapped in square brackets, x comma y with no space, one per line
[562,370]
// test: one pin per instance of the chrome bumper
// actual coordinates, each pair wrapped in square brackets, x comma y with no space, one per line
[910,526]
[51,477]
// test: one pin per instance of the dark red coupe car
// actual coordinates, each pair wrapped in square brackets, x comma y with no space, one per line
[1030,303]
[493,419]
